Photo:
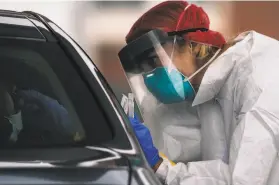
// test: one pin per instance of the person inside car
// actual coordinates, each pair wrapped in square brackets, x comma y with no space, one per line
[30,117]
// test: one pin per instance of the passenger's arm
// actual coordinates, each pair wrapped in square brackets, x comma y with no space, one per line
[60,121]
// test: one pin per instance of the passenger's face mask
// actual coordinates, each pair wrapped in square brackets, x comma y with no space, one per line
[16,121]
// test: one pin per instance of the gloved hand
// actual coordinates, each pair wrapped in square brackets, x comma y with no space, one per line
[144,137]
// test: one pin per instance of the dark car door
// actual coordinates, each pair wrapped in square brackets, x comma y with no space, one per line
[73,128]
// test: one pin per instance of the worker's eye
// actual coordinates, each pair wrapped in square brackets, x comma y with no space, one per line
[150,63]
[154,61]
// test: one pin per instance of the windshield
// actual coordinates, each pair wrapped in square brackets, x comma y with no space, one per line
[44,100]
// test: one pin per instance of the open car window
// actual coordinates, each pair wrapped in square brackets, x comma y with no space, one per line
[43,99]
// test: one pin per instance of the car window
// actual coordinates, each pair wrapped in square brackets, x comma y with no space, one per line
[43,99]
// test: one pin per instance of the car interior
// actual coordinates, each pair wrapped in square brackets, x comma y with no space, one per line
[28,70]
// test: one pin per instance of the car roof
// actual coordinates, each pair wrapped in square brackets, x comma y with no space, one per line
[24,25]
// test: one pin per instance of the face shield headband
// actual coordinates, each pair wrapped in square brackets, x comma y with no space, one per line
[130,54]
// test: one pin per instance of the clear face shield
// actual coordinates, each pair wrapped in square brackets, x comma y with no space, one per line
[164,95]
[151,64]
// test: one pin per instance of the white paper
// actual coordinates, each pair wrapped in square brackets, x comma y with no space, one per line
[131,105]
[124,103]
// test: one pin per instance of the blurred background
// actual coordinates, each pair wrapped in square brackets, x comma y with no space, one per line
[100,27]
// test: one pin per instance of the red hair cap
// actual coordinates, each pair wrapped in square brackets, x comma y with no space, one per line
[173,16]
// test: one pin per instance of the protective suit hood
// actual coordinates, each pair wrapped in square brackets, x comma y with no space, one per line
[218,71]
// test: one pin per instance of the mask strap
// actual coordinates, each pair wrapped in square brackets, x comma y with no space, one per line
[205,65]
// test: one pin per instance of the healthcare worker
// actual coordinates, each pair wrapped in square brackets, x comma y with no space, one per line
[181,59]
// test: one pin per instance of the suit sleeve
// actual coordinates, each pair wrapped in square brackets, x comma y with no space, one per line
[252,154]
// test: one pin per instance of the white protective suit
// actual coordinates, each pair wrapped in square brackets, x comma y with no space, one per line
[243,81]
[176,130]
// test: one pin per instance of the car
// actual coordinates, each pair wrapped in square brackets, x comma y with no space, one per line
[83,135]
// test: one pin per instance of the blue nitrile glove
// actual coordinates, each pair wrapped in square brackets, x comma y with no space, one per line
[144,137]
